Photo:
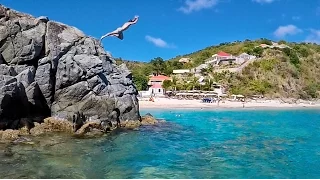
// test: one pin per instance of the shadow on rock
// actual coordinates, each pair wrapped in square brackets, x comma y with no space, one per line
[80,127]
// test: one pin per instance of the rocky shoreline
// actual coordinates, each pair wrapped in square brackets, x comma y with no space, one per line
[93,128]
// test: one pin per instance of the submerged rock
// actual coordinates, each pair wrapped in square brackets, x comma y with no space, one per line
[23,140]
[51,69]
[52,125]
[130,124]
[8,151]
[148,119]
[90,127]
[11,135]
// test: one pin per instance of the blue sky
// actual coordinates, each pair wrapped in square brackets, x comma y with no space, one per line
[168,28]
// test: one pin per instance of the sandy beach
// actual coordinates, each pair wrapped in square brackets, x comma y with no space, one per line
[165,103]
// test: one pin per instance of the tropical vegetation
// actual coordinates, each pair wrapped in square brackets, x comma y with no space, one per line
[290,72]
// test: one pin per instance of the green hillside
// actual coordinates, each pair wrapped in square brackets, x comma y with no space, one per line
[290,73]
[280,73]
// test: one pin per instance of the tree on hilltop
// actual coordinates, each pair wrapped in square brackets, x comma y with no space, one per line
[158,65]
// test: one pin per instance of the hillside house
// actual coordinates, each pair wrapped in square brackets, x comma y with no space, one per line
[181,72]
[274,45]
[264,45]
[280,46]
[184,60]
[221,58]
[197,71]
[244,57]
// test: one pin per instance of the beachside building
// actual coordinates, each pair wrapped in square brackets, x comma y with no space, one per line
[155,85]
[157,90]
[158,79]
[219,89]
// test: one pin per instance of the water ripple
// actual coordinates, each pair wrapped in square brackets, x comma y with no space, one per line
[195,144]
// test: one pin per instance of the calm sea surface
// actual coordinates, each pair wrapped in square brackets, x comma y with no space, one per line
[190,144]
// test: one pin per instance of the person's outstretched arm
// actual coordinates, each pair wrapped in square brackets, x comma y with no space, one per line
[126,25]
[135,19]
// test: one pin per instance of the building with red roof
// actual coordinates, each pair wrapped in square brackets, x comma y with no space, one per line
[221,58]
[155,83]
[223,54]
[159,78]
[156,86]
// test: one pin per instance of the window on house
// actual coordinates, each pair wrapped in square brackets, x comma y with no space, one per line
[159,90]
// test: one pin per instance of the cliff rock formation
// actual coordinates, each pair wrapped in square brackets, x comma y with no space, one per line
[51,69]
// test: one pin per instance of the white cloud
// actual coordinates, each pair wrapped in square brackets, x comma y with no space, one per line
[158,42]
[283,31]
[263,1]
[314,36]
[197,5]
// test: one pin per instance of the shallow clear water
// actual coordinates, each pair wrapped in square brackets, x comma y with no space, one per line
[191,144]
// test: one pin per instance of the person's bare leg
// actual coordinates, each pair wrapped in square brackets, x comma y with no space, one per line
[119,32]
[104,36]
[118,35]
[113,33]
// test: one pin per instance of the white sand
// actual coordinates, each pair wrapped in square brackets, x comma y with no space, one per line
[164,103]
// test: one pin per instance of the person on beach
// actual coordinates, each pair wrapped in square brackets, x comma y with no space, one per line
[119,31]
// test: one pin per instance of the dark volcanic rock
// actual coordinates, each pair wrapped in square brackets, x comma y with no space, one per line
[51,69]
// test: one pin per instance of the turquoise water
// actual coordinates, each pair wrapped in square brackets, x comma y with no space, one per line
[191,144]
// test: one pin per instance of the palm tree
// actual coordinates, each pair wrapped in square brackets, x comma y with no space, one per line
[194,83]
[174,83]
[208,84]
